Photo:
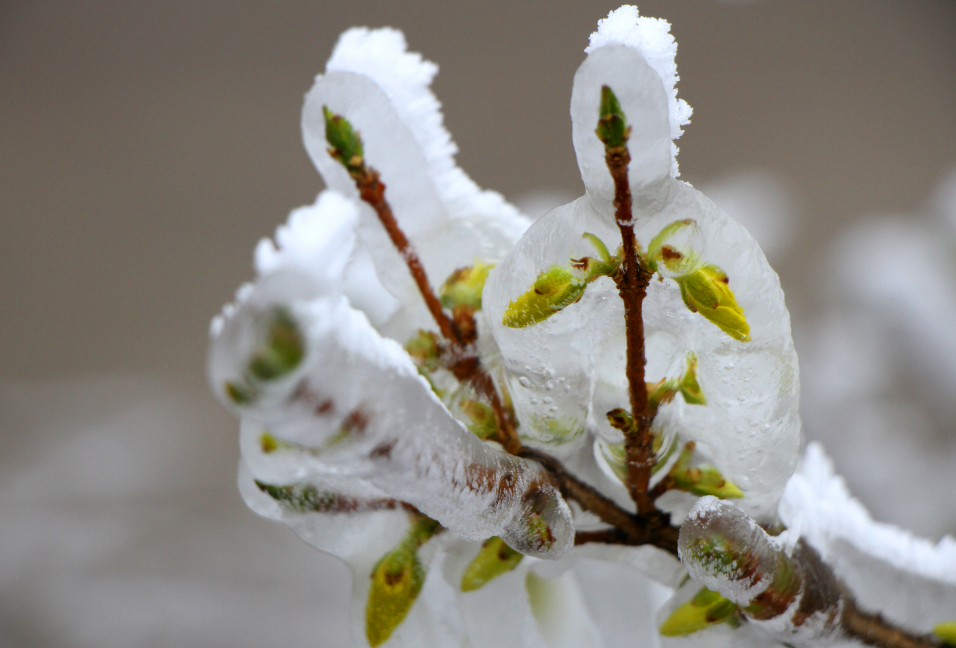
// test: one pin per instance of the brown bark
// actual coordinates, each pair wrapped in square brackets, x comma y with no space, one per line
[873,629]
[632,283]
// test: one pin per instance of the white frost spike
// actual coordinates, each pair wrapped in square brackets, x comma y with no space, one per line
[383,90]
[566,371]
[356,406]
[652,38]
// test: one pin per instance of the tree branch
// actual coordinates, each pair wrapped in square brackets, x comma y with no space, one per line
[873,629]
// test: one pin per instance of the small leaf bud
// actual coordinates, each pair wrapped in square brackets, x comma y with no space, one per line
[345,143]
[612,127]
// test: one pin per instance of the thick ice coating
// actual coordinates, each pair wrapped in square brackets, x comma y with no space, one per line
[567,372]
[320,392]
[383,90]
[791,595]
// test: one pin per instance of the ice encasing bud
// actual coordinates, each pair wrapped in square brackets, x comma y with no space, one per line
[792,596]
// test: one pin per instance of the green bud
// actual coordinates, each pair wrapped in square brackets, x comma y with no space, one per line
[704,609]
[465,285]
[689,387]
[424,350]
[707,291]
[396,581]
[946,632]
[282,351]
[482,420]
[345,143]
[612,128]
[494,559]
[552,291]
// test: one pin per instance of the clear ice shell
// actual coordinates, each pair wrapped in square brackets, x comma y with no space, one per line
[749,429]
[401,439]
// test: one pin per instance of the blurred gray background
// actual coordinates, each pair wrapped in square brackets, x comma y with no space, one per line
[146,146]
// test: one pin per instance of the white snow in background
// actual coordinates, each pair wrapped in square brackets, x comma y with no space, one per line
[818,506]
[652,38]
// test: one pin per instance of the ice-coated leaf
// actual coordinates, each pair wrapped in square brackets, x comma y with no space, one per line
[701,480]
[356,405]
[493,559]
[689,387]
[676,249]
[345,144]
[703,610]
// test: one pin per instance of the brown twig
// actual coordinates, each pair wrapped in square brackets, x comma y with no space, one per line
[632,280]
[372,191]
[873,629]
[653,528]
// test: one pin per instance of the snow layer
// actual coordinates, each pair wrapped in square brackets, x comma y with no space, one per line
[910,580]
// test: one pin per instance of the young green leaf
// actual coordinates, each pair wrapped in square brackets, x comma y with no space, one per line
[494,559]
[707,291]
[481,418]
[397,579]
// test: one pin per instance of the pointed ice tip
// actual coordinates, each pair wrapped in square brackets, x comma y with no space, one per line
[345,143]
[612,127]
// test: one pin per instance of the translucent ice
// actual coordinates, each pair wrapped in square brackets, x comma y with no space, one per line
[749,428]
